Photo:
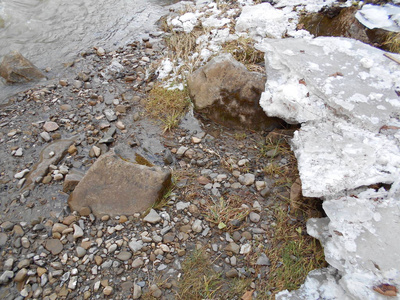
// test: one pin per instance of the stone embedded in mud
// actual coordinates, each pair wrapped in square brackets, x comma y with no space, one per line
[115,187]
[17,69]
[229,94]
[50,155]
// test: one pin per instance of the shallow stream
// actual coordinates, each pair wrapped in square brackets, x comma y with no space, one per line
[50,32]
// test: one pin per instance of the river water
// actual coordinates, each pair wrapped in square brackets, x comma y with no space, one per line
[50,32]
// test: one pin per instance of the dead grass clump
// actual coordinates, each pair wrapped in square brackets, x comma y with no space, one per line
[293,253]
[222,211]
[199,281]
[243,50]
[392,42]
[168,106]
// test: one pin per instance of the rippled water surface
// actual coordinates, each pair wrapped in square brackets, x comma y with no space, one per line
[49,32]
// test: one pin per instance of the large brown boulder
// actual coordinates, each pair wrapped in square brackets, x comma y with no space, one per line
[17,69]
[229,94]
[114,186]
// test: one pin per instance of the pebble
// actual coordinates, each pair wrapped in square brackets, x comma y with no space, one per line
[232,273]
[19,152]
[108,290]
[152,217]
[138,262]
[78,232]
[135,245]
[54,246]
[45,136]
[50,126]
[263,260]
[21,174]
[124,255]
[247,179]
[197,226]
[137,291]
[233,247]
[254,217]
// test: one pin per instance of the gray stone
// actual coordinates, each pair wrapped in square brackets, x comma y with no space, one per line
[6,277]
[122,190]
[71,181]
[54,246]
[247,179]
[263,260]
[124,255]
[135,245]
[3,239]
[78,232]
[254,217]
[138,262]
[7,225]
[152,217]
[50,126]
[17,69]
[80,252]
[197,226]
[228,93]
[137,291]
[233,247]
[232,273]
[9,263]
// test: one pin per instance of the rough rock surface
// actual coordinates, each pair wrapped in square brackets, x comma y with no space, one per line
[17,69]
[345,94]
[113,186]
[229,94]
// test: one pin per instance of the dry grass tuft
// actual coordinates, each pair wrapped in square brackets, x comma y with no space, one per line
[222,211]
[243,50]
[392,42]
[293,253]
[199,281]
[168,106]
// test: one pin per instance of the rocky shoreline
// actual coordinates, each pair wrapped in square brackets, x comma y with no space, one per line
[49,252]
[234,189]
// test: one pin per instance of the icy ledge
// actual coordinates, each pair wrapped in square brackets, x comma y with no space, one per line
[346,96]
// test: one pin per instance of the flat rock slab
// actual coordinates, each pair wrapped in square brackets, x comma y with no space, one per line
[17,69]
[50,155]
[113,186]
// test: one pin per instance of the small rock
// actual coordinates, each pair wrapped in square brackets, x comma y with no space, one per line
[124,255]
[232,273]
[254,217]
[108,290]
[6,277]
[138,262]
[80,252]
[137,291]
[21,174]
[45,136]
[78,232]
[197,226]
[233,247]
[100,51]
[152,217]
[21,275]
[50,126]
[54,246]
[155,291]
[247,179]
[135,245]
[263,260]
[19,152]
